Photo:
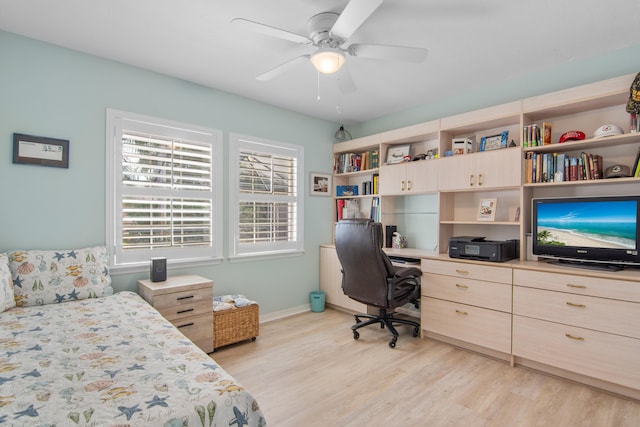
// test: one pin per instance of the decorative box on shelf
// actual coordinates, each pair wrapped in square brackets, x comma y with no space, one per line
[234,324]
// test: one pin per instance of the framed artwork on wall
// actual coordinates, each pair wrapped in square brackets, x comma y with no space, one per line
[320,184]
[38,150]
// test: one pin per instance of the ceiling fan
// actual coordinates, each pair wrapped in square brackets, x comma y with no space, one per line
[328,33]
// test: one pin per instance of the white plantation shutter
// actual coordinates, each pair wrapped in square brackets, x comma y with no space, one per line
[164,191]
[266,201]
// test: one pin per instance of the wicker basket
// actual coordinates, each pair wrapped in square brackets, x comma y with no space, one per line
[234,325]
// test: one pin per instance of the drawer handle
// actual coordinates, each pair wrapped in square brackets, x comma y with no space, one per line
[479,179]
[571,285]
[573,337]
[184,311]
[185,325]
[187,297]
[409,184]
[471,180]
[462,312]
[573,304]
[402,186]
[458,285]
[462,271]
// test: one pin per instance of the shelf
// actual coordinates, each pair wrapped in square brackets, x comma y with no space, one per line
[609,141]
[474,222]
[357,173]
[359,196]
[584,182]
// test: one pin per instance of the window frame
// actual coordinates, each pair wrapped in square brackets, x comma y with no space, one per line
[116,122]
[237,143]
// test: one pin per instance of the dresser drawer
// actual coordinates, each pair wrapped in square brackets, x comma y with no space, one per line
[601,314]
[186,303]
[487,328]
[596,354]
[199,329]
[582,285]
[468,271]
[496,296]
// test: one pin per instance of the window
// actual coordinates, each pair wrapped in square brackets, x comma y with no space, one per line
[265,202]
[163,181]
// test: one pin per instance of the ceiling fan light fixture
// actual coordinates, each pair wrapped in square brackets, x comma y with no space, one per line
[328,60]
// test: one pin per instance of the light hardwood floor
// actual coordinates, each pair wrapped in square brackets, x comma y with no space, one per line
[307,370]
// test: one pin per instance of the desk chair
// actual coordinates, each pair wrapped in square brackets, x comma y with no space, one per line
[369,277]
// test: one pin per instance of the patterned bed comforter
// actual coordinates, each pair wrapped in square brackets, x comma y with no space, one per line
[111,361]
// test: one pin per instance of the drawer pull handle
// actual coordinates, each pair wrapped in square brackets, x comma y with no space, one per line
[462,312]
[573,337]
[462,271]
[185,325]
[187,297]
[184,311]
[572,304]
[571,285]
[458,285]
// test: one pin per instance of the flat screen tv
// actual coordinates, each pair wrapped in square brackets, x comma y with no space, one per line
[593,232]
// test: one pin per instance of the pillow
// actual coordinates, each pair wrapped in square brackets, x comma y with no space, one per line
[7,298]
[47,277]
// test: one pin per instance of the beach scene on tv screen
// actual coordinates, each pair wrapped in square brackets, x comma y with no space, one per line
[601,224]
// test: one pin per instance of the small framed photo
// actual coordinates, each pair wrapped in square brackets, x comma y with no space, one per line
[38,150]
[397,154]
[487,209]
[320,184]
[494,142]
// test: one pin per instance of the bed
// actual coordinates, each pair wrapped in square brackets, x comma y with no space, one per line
[94,358]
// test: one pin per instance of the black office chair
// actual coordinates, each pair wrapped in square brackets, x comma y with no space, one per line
[368,276]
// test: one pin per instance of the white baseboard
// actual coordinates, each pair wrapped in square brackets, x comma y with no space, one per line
[284,313]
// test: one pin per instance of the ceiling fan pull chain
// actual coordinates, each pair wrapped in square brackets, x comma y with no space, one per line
[318,99]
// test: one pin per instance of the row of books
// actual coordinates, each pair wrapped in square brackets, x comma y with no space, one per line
[534,136]
[354,162]
[557,167]
[350,208]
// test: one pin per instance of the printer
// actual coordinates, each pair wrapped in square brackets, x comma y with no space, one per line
[478,248]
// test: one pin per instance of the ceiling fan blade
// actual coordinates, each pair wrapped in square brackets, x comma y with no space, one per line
[345,81]
[352,17]
[394,53]
[271,31]
[274,72]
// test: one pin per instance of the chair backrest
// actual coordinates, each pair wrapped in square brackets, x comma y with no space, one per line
[365,267]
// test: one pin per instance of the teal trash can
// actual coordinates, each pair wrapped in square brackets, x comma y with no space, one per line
[317,299]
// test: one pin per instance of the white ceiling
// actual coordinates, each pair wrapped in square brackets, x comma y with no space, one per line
[471,44]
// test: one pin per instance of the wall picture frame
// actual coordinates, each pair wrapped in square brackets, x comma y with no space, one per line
[487,209]
[39,150]
[320,184]
[397,153]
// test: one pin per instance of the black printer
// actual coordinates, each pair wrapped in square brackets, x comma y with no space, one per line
[474,247]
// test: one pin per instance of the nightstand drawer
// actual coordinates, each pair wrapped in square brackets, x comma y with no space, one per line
[186,303]
[198,330]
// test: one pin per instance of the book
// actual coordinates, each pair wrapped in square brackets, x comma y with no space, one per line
[546,133]
[636,165]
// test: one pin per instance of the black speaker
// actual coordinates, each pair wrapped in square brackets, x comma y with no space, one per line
[158,269]
[388,235]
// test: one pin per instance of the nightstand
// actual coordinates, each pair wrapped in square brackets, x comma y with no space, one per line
[187,302]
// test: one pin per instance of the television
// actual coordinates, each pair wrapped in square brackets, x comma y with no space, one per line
[592,232]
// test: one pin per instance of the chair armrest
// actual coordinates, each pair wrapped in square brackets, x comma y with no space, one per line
[407,272]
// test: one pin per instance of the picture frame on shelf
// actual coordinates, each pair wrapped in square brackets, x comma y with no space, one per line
[320,184]
[494,142]
[487,209]
[397,153]
[39,150]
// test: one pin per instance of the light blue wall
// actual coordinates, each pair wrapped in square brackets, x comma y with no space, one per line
[49,91]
